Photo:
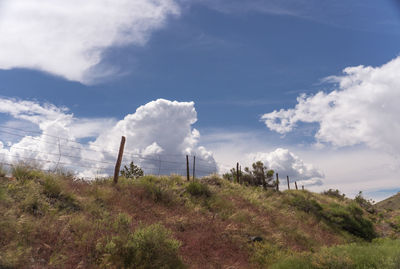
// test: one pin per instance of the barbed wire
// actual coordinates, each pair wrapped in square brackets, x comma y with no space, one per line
[84,147]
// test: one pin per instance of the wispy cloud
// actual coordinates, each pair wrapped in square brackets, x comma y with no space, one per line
[68,38]
[354,15]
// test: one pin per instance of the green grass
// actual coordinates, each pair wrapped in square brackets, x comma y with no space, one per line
[381,253]
[196,188]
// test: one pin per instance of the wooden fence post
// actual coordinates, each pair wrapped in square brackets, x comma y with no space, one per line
[288,185]
[302,187]
[187,168]
[194,167]
[237,173]
[263,178]
[277,182]
[295,183]
[240,174]
[119,159]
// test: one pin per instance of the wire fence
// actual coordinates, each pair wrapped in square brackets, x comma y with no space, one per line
[89,161]
[50,152]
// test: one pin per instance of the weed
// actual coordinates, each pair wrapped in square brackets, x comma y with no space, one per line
[196,188]
[154,191]
[148,247]
[23,172]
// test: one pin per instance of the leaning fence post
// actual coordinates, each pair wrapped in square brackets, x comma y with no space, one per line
[277,182]
[295,183]
[288,185]
[237,173]
[119,160]
[194,167]
[187,168]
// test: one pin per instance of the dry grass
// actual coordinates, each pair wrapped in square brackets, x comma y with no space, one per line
[55,221]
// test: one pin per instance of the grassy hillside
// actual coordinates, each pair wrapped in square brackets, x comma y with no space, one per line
[391,203]
[389,212]
[52,221]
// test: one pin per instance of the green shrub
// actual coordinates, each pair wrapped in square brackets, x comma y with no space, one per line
[148,247]
[53,189]
[196,188]
[155,191]
[364,203]
[21,172]
[305,204]
[334,193]
[133,171]
[351,219]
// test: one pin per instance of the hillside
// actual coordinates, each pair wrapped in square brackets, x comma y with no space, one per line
[389,212]
[53,221]
[391,203]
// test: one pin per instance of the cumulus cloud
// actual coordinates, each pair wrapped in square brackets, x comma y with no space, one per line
[68,38]
[362,110]
[159,135]
[285,163]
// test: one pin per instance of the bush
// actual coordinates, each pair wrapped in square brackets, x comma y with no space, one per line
[307,205]
[334,193]
[350,218]
[196,188]
[364,203]
[22,172]
[148,247]
[154,191]
[53,189]
[133,171]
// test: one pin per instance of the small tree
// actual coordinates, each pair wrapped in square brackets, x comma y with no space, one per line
[133,171]
[258,175]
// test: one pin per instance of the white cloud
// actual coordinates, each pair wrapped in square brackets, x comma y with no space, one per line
[285,163]
[161,129]
[68,38]
[158,135]
[363,110]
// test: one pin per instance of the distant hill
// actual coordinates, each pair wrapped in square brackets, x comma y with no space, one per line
[391,203]
[54,221]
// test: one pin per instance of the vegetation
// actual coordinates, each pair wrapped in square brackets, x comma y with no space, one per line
[53,220]
[3,171]
[196,188]
[258,175]
[133,171]
[382,253]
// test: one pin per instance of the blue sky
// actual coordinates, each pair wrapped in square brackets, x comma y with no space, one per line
[236,60]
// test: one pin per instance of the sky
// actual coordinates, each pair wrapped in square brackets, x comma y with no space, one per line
[308,87]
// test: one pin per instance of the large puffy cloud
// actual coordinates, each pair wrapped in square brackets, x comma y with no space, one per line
[68,38]
[286,163]
[363,110]
[159,135]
